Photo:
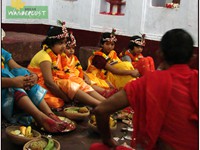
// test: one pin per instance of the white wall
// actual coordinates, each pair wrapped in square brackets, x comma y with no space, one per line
[157,20]
[140,16]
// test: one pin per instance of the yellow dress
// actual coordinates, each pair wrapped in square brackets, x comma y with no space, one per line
[104,78]
[69,82]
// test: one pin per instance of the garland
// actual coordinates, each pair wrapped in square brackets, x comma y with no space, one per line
[80,69]
[99,53]
[138,57]
[54,59]
[135,58]
[103,71]
[74,62]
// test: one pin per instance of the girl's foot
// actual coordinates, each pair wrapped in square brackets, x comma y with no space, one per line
[56,118]
[53,126]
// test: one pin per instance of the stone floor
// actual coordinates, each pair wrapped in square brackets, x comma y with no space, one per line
[79,139]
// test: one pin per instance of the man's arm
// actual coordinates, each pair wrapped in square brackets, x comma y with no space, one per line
[103,111]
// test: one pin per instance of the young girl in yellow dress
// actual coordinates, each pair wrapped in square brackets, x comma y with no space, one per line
[106,69]
[51,66]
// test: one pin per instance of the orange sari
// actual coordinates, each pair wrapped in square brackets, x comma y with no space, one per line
[74,66]
[67,81]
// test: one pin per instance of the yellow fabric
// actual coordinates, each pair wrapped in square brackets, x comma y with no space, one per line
[70,85]
[40,57]
[118,81]
[95,75]
[95,80]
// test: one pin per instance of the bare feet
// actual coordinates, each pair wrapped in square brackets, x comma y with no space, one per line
[53,126]
[49,124]
[56,118]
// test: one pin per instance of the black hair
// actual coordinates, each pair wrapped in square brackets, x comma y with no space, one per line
[53,31]
[131,45]
[177,46]
[104,36]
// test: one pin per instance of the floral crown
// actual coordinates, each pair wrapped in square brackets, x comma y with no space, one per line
[64,30]
[139,41]
[72,41]
[112,37]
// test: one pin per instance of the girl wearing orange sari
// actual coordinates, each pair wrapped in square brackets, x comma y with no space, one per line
[51,66]
[105,68]
[75,67]
[134,55]
[73,63]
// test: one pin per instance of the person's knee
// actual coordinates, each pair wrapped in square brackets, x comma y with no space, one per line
[18,95]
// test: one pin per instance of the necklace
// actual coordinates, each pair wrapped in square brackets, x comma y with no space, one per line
[56,59]
[103,72]
[99,53]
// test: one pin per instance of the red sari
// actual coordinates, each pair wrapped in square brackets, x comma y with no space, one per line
[143,64]
[165,105]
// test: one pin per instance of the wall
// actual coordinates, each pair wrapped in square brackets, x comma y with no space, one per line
[83,17]
[157,20]
[90,38]
[140,16]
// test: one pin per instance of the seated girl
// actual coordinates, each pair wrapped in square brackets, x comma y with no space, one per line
[105,69]
[51,66]
[134,55]
[75,67]
[22,99]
